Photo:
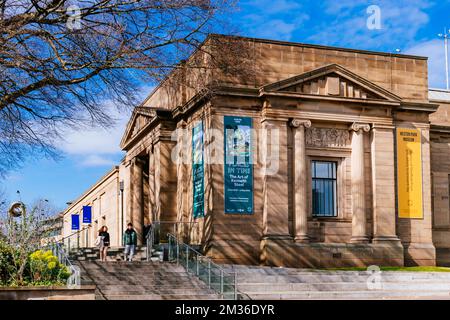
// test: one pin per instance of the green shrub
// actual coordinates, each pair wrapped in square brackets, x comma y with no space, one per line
[6,263]
[44,268]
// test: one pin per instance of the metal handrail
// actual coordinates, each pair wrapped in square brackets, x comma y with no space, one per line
[72,234]
[210,264]
[150,239]
[57,249]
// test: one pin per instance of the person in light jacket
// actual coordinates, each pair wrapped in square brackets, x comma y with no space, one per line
[130,242]
[104,243]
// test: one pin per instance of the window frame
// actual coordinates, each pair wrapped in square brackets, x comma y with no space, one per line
[336,191]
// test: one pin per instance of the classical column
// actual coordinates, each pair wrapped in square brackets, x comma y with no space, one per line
[151,184]
[300,180]
[383,183]
[137,198]
[359,229]
[275,180]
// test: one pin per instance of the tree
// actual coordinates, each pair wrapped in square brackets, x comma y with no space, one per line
[59,59]
[25,233]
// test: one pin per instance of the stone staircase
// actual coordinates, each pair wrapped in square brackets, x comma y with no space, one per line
[114,254]
[154,280]
[255,282]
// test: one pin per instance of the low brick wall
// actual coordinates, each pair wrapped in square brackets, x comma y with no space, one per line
[47,293]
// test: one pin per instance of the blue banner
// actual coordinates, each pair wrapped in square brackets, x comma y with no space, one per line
[198,171]
[75,222]
[238,168]
[87,214]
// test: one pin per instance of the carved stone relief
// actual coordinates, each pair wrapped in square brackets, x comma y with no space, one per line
[327,137]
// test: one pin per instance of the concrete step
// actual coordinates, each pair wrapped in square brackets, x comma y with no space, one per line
[340,286]
[327,278]
[144,280]
[164,297]
[162,290]
[339,295]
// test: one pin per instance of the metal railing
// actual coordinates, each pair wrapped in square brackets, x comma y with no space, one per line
[221,281]
[150,241]
[181,229]
[57,249]
[73,240]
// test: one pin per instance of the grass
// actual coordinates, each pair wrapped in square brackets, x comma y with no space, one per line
[410,269]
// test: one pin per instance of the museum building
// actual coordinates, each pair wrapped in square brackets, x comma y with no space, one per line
[324,157]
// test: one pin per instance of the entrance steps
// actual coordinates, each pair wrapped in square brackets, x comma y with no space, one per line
[114,254]
[255,282]
[154,280]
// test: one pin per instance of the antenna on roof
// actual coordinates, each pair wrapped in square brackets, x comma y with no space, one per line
[445,36]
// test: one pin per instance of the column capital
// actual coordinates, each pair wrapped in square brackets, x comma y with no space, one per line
[295,123]
[359,126]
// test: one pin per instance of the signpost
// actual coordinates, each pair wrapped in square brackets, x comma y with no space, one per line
[238,167]
[409,173]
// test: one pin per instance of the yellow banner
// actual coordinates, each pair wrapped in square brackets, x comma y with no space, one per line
[409,173]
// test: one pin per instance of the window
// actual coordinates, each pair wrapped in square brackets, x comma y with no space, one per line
[324,202]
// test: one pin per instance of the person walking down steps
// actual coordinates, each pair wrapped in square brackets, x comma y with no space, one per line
[130,242]
[103,242]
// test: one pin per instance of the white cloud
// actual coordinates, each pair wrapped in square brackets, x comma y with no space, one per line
[97,146]
[96,140]
[400,22]
[95,160]
[273,19]
[434,50]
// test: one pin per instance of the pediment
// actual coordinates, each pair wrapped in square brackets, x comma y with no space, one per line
[140,118]
[335,81]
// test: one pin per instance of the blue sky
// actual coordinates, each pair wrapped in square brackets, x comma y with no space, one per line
[411,26]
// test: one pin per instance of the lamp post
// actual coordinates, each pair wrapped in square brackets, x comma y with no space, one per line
[445,36]
[121,188]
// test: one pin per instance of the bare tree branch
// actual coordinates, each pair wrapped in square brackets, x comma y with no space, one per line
[59,59]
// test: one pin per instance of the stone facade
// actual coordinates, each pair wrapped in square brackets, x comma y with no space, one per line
[308,103]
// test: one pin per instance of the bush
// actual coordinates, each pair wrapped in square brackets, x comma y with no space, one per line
[42,268]
[6,263]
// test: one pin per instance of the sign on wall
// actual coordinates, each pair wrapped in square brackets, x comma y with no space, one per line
[75,222]
[238,168]
[198,171]
[87,214]
[409,173]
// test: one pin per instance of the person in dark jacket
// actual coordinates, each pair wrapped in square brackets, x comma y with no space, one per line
[105,242]
[130,242]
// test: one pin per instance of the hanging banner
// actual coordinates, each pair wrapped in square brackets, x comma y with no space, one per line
[409,173]
[87,214]
[238,168]
[75,222]
[198,171]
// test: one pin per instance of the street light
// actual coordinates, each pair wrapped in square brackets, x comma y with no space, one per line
[445,36]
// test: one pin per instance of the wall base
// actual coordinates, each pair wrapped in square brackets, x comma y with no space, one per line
[420,254]
[284,253]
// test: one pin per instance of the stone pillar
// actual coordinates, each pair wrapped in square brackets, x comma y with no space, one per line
[300,180]
[359,224]
[383,183]
[151,185]
[275,180]
[137,198]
